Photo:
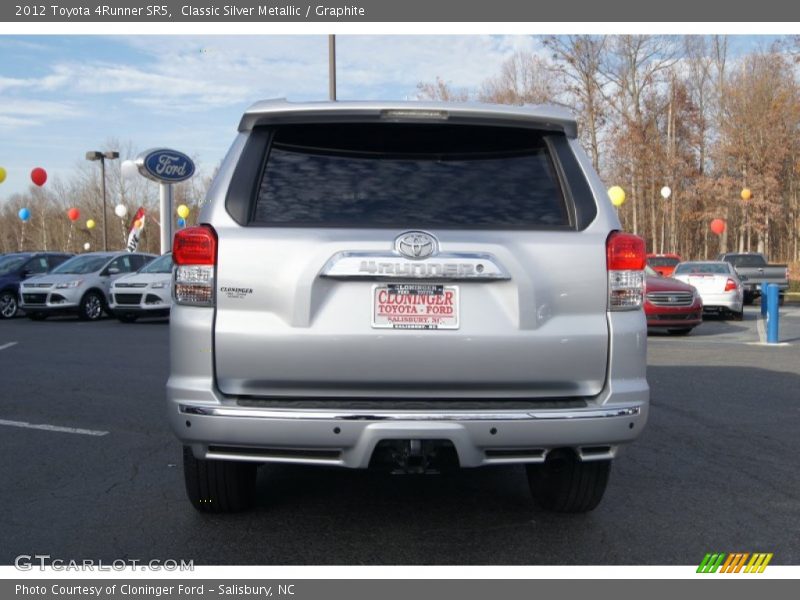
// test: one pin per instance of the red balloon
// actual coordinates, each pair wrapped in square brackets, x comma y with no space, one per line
[73,214]
[39,176]
[718,226]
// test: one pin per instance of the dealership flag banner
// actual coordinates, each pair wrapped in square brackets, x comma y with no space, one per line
[137,226]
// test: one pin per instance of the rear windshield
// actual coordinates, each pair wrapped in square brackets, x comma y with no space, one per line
[662,261]
[711,268]
[746,260]
[392,175]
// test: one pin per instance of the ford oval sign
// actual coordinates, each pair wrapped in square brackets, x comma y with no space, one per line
[165,165]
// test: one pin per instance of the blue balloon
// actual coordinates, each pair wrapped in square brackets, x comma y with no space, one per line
[24,214]
[181,222]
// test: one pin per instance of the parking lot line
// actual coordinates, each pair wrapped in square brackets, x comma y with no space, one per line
[56,428]
[8,345]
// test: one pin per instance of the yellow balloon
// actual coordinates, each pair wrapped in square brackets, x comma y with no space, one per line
[90,224]
[746,194]
[617,195]
[183,211]
[2,174]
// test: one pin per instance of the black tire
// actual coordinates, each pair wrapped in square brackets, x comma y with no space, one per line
[567,485]
[737,316]
[747,298]
[127,317]
[36,316]
[681,331]
[781,299]
[219,486]
[8,305]
[91,307]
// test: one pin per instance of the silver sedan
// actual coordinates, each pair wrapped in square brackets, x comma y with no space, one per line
[717,284]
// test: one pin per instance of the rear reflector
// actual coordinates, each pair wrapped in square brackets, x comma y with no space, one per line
[194,252]
[625,260]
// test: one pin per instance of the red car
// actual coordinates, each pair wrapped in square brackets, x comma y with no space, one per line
[664,264]
[671,304]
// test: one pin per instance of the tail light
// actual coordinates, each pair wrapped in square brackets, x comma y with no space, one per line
[194,252]
[625,260]
[730,285]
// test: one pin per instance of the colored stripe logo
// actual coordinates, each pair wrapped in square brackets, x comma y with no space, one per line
[737,562]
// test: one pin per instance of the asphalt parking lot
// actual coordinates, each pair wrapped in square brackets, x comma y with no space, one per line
[714,470]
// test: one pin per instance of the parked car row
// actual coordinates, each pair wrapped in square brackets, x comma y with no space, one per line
[123,284]
[679,293]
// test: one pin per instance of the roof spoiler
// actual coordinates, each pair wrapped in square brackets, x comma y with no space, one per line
[280,111]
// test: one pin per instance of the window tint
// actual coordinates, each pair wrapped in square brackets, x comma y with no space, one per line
[125,264]
[662,261]
[744,260]
[82,264]
[423,176]
[37,265]
[163,264]
[703,268]
[10,264]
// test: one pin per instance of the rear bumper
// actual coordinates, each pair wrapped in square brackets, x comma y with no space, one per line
[349,439]
[728,301]
[216,426]
[754,287]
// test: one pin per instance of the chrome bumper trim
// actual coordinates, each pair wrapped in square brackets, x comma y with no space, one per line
[255,413]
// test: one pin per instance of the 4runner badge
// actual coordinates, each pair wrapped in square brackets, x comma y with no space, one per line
[416,245]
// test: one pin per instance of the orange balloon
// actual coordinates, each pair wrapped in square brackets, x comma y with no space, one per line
[718,226]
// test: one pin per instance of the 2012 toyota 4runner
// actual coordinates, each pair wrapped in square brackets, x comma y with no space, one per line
[414,285]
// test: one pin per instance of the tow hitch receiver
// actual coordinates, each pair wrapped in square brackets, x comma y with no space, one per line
[414,457]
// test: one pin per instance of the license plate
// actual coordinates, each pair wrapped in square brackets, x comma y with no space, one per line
[414,306]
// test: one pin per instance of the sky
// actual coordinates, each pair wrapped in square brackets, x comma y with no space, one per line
[63,95]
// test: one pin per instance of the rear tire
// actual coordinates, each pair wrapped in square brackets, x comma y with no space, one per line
[747,298]
[567,485]
[219,486]
[91,307]
[737,316]
[8,305]
[681,331]
[781,299]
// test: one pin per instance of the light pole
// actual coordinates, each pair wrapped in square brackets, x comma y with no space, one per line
[332,67]
[102,156]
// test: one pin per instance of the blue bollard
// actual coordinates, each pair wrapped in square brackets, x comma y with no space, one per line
[772,313]
[764,298]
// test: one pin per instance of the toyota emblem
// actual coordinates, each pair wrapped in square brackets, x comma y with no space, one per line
[416,245]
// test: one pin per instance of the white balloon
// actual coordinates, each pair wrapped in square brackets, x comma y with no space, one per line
[666,192]
[86,246]
[121,211]
[129,169]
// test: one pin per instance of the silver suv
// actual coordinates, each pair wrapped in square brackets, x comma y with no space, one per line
[411,285]
[78,286]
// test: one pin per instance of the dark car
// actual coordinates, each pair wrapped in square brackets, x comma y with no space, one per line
[671,304]
[17,267]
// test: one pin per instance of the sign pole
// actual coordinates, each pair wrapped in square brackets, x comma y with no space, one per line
[165,195]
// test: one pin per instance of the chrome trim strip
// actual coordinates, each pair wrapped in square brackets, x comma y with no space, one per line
[255,413]
[473,266]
